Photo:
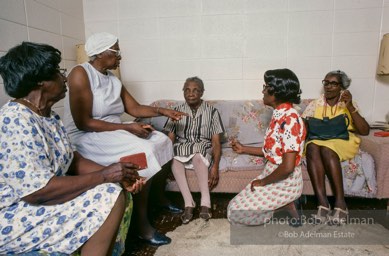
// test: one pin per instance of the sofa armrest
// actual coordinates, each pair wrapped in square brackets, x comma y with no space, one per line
[378,148]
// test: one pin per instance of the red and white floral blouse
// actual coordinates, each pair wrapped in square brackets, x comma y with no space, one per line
[286,133]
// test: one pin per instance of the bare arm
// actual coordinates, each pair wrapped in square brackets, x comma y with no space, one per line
[61,189]
[216,153]
[81,165]
[81,104]
[282,172]
[135,109]
[241,149]
[361,126]
[172,137]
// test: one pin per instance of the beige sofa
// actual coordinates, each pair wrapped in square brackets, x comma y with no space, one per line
[247,120]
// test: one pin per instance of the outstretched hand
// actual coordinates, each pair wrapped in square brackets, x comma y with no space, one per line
[173,114]
[237,146]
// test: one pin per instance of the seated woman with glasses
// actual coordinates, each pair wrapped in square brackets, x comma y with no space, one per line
[97,99]
[324,156]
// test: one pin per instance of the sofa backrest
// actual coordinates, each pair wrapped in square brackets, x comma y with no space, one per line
[245,120]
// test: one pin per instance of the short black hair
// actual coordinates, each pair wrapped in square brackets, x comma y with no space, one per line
[27,64]
[284,85]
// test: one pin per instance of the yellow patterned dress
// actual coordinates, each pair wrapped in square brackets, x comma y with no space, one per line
[346,149]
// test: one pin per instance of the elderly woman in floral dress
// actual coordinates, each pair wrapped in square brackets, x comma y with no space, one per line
[52,200]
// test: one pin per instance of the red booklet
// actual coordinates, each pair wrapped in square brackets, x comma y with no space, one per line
[381,134]
[138,159]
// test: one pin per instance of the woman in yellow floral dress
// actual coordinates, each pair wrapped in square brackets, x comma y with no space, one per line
[324,156]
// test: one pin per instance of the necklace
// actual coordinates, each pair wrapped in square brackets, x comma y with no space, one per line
[325,107]
[32,104]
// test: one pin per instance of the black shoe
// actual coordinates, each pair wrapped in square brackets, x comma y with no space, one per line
[172,208]
[295,222]
[157,239]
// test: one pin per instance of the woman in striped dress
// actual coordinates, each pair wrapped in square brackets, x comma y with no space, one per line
[196,145]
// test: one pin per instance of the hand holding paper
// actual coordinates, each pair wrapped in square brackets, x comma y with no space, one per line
[139,159]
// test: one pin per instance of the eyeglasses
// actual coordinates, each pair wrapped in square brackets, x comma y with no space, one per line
[331,83]
[117,52]
[194,91]
[63,71]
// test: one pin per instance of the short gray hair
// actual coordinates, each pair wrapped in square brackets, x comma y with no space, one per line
[196,80]
[342,77]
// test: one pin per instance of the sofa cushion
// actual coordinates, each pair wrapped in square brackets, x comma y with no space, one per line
[247,120]
[244,120]
[231,161]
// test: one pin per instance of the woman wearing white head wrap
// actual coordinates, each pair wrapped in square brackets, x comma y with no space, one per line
[96,101]
[99,42]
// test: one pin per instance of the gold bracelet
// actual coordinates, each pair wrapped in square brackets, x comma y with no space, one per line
[158,111]
[355,111]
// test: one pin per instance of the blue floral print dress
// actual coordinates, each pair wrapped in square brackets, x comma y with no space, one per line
[33,149]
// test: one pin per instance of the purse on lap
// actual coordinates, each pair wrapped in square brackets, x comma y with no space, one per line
[327,129]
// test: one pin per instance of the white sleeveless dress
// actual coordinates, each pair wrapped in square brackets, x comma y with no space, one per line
[108,147]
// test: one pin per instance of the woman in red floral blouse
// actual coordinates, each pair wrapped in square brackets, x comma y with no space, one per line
[280,183]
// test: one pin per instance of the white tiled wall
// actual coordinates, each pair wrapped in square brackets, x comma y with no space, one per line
[228,43]
[55,22]
[231,43]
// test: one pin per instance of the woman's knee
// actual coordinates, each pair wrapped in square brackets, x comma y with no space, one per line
[328,154]
[197,159]
[177,165]
[312,151]
[121,202]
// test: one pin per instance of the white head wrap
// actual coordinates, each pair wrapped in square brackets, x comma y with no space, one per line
[99,42]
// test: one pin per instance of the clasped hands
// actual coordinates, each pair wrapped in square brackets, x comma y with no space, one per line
[126,174]
[141,130]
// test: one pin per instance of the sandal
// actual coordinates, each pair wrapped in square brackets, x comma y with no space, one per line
[321,217]
[337,219]
[187,215]
[205,213]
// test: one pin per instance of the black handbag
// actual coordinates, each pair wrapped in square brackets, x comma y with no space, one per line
[326,128]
